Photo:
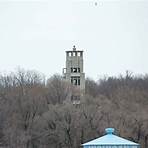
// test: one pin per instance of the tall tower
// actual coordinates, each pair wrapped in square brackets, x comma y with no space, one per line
[74,74]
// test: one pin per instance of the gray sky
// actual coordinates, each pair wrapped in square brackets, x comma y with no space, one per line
[34,34]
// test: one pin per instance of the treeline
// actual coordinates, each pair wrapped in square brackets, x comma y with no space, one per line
[36,113]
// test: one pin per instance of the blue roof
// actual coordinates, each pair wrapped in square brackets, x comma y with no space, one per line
[110,139]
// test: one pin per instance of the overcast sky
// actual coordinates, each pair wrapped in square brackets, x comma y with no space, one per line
[34,34]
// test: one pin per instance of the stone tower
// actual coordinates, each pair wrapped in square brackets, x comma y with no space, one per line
[74,73]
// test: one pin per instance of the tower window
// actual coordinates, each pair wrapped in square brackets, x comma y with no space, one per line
[78,81]
[64,70]
[75,70]
[74,54]
[78,69]
[79,54]
[70,54]
[75,80]
[71,81]
[75,98]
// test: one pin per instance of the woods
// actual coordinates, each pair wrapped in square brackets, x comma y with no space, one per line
[34,112]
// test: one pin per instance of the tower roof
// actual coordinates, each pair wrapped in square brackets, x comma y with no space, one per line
[74,49]
[110,139]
